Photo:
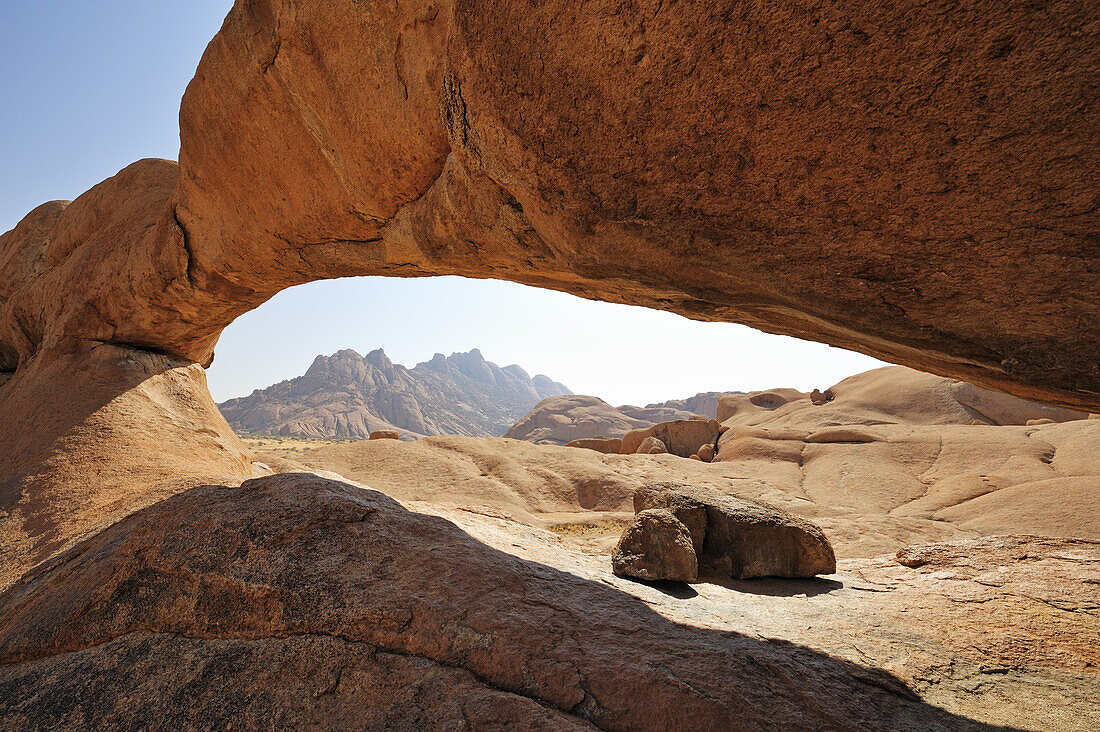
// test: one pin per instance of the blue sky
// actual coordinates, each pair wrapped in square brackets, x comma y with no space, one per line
[89,87]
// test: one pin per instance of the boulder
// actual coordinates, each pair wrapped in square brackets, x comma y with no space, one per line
[385,435]
[651,446]
[656,546]
[608,445]
[739,538]
[681,437]
[705,453]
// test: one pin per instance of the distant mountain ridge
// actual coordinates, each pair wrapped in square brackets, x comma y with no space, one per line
[347,395]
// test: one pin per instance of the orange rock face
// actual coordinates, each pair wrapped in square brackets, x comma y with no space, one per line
[917,183]
[881,178]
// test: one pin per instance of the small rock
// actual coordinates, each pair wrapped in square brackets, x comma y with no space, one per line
[651,446]
[656,546]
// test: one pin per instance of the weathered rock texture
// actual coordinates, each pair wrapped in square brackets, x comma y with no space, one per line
[887,178]
[893,460]
[735,537]
[656,546]
[559,420]
[348,395]
[687,158]
[298,600]
[681,437]
[610,445]
[917,182]
[214,585]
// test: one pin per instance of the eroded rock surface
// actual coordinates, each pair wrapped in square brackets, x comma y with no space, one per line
[681,437]
[617,162]
[656,546]
[256,595]
[682,159]
[297,556]
[919,483]
[300,562]
[736,538]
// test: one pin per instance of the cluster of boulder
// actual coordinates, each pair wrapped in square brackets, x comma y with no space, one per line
[681,532]
[694,438]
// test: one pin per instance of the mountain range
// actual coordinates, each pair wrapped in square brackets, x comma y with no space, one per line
[347,395]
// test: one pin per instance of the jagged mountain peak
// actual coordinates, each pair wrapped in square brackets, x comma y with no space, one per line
[350,395]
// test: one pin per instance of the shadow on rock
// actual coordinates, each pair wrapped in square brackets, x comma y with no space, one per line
[776,587]
[296,601]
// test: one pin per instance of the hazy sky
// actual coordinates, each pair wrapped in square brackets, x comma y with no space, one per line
[89,87]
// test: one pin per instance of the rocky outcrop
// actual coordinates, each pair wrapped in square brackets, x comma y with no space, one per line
[736,537]
[384,435]
[298,600]
[558,420]
[212,585]
[704,404]
[686,160]
[426,138]
[681,437]
[889,395]
[351,396]
[466,154]
[912,484]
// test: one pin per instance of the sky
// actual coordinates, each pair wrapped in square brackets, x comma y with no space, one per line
[89,87]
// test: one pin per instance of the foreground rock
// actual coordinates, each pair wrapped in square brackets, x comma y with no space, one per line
[301,601]
[656,546]
[212,586]
[734,537]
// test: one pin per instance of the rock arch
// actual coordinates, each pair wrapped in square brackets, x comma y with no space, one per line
[907,181]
